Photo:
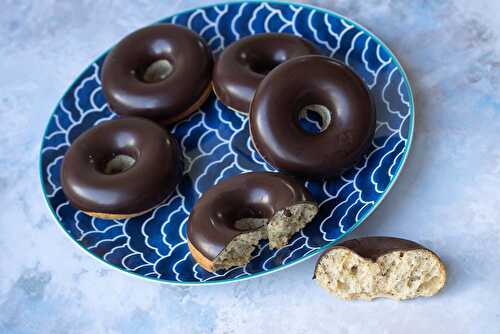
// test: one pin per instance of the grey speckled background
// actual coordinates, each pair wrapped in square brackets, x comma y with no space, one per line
[448,196]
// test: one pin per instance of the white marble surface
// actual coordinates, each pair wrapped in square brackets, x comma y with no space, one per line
[448,196]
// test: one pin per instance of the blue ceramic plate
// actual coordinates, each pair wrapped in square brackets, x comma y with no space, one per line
[216,144]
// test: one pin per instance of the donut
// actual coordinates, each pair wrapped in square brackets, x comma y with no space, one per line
[242,66]
[121,168]
[327,87]
[161,72]
[232,217]
[373,267]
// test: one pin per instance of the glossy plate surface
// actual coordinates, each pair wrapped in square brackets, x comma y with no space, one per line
[215,145]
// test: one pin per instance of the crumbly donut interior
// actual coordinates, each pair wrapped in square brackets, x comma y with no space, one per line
[398,275]
[238,251]
[287,222]
[279,229]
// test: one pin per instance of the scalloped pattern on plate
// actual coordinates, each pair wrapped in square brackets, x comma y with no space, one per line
[215,144]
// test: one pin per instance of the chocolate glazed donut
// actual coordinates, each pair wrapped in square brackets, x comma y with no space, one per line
[161,72]
[324,85]
[242,66]
[121,168]
[230,218]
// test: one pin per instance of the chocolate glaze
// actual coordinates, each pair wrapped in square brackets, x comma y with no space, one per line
[296,84]
[371,248]
[211,224]
[148,182]
[242,66]
[164,100]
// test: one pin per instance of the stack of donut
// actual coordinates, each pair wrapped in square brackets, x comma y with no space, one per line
[161,74]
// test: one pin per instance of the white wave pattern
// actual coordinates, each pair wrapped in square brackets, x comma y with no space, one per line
[343,199]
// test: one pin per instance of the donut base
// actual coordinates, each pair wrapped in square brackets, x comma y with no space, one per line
[227,106]
[112,216]
[204,262]
[190,110]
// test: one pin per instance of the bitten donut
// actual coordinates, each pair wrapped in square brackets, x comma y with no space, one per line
[242,66]
[312,83]
[161,72]
[121,168]
[230,218]
[374,267]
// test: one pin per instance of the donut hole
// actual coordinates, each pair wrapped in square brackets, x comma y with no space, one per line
[157,71]
[118,164]
[314,118]
[251,218]
[250,224]
[263,66]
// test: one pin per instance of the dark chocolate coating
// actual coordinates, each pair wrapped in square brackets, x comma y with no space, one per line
[211,224]
[296,84]
[242,65]
[155,174]
[162,101]
[374,247]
